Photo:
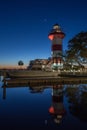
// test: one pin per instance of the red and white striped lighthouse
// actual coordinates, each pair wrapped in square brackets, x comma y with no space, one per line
[56,35]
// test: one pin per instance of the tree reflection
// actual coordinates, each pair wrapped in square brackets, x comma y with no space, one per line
[36,89]
[77,98]
[57,109]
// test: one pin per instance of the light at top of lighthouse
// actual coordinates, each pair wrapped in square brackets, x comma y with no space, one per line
[56,32]
[57,27]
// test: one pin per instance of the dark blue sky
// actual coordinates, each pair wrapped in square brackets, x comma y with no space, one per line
[25,24]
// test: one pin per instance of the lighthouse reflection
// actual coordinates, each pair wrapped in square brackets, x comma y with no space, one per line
[57,109]
[53,107]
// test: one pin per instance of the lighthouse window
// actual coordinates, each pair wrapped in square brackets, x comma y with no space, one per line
[58,30]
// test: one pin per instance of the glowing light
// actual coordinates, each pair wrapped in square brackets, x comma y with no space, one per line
[51,110]
[56,34]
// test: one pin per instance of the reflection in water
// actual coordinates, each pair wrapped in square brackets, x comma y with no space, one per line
[37,89]
[4,92]
[77,98]
[1,78]
[27,109]
[33,89]
[57,109]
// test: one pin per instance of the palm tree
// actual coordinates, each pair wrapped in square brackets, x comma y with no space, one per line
[20,63]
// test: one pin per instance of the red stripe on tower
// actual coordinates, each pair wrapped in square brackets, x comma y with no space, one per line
[56,47]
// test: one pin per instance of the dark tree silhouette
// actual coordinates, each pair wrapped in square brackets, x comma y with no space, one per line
[20,63]
[77,48]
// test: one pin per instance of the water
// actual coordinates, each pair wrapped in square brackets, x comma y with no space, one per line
[55,107]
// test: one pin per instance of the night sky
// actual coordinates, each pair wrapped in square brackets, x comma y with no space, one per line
[25,24]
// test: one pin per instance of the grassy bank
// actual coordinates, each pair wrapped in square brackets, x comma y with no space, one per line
[25,73]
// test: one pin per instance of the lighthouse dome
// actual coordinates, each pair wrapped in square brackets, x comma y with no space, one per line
[56,26]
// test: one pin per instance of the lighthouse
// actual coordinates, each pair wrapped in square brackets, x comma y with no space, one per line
[56,35]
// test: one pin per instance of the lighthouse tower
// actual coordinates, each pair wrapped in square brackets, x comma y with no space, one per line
[56,35]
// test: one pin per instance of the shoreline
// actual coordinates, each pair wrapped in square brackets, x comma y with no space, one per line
[27,77]
[43,81]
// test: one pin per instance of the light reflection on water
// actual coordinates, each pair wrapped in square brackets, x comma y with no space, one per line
[45,107]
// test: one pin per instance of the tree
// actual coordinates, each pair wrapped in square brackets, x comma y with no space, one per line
[20,63]
[77,48]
